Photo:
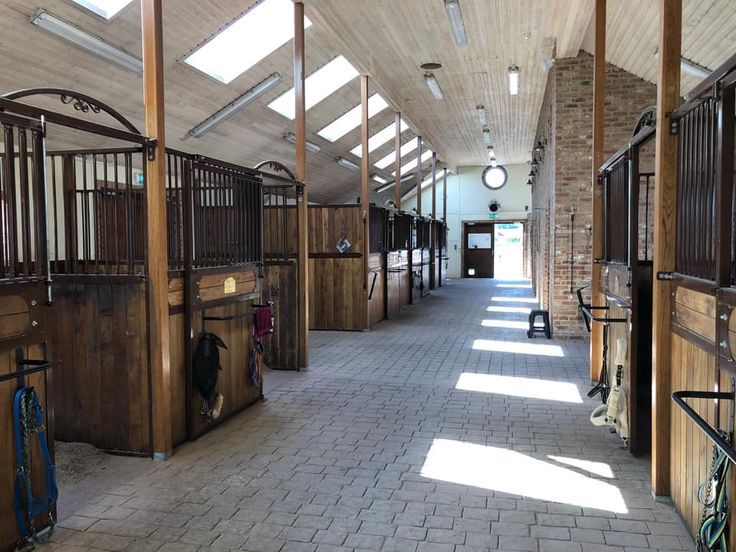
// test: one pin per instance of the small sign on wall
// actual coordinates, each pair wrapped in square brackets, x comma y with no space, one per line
[229,285]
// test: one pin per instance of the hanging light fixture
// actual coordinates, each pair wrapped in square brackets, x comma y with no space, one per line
[457,24]
[482,115]
[434,86]
[487,137]
[513,80]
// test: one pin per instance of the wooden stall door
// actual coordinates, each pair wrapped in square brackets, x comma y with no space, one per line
[25,320]
[478,250]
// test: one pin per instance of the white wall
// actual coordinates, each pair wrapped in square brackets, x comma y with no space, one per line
[468,199]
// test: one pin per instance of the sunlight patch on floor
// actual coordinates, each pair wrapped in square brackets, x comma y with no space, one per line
[522,310]
[596,468]
[520,348]
[511,472]
[519,286]
[511,324]
[530,388]
[515,299]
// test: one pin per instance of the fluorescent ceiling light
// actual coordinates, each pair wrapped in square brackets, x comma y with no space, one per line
[413,163]
[378,178]
[487,137]
[456,22]
[379,138]
[104,8]
[406,149]
[482,115]
[694,69]
[311,146]
[352,119]
[246,41]
[236,105]
[434,86]
[514,80]
[320,84]
[89,42]
[390,185]
[346,163]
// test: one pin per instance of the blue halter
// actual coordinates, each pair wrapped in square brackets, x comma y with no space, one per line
[28,419]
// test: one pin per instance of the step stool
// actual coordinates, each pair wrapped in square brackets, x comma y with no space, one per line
[533,328]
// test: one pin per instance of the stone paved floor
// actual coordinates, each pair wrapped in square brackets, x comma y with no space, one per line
[445,429]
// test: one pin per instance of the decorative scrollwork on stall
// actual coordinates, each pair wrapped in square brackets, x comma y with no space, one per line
[80,102]
[276,167]
[648,118]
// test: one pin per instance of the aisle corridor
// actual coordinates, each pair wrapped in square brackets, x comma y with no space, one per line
[445,429]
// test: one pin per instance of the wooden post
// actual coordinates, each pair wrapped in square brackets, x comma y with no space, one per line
[434,185]
[364,199]
[444,194]
[397,145]
[419,175]
[599,96]
[665,217]
[301,175]
[157,268]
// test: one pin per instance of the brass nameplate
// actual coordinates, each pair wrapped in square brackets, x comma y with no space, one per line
[229,285]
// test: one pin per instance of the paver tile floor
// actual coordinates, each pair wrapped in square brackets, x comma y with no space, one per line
[444,429]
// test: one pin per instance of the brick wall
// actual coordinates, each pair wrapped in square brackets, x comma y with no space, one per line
[564,184]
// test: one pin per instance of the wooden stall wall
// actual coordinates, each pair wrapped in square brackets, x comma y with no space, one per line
[398,278]
[280,245]
[102,380]
[230,294]
[16,331]
[337,298]
[377,288]
[694,368]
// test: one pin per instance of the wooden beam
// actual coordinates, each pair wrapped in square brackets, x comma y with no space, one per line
[157,264]
[599,97]
[397,145]
[301,174]
[419,175]
[364,198]
[665,217]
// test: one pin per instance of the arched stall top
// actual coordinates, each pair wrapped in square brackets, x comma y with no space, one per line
[81,102]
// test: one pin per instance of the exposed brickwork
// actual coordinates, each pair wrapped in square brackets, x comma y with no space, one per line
[564,181]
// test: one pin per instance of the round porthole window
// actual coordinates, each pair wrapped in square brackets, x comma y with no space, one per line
[495,177]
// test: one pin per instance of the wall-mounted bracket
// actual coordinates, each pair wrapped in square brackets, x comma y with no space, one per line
[151,149]
[714,434]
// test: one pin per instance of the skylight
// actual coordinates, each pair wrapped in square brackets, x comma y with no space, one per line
[379,138]
[320,84]
[413,163]
[246,41]
[406,149]
[104,8]
[344,124]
